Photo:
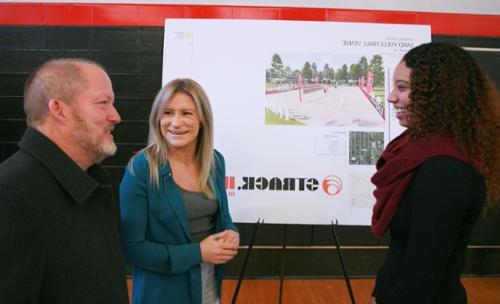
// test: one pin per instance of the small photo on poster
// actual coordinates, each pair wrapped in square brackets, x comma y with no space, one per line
[365,147]
[341,90]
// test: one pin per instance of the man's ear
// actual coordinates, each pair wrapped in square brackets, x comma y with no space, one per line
[58,109]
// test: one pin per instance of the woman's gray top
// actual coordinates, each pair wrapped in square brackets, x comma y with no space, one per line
[201,213]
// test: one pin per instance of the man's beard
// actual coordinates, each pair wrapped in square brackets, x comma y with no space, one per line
[90,142]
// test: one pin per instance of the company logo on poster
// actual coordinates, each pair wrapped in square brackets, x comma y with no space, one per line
[331,185]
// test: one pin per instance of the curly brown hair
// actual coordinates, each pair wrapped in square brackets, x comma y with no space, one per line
[450,91]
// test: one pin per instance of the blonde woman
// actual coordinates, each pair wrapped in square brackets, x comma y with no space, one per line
[177,230]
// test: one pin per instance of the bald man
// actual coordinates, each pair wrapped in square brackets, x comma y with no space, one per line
[59,220]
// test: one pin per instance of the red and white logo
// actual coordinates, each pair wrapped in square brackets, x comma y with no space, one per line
[332,185]
[230,182]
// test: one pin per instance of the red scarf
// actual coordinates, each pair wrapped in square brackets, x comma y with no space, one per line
[396,168]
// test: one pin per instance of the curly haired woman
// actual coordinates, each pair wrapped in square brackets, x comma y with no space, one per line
[433,180]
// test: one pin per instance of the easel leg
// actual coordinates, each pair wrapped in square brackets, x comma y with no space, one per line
[341,259]
[245,260]
[283,263]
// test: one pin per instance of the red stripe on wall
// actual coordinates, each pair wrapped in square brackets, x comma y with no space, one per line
[65,14]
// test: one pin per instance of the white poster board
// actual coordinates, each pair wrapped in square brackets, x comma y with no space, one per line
[300,110]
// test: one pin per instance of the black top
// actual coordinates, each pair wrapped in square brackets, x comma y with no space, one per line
[429,235]
[59,229]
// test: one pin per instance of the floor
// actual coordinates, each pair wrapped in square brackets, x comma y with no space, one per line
[480,290]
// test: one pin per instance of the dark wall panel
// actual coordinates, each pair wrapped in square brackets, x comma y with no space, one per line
[133,58]
[11,108]
[491,63]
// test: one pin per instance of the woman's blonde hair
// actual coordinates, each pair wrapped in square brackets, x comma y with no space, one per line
[156,150]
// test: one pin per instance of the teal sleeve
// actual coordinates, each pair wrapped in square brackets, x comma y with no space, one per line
[227,221]
[139,250]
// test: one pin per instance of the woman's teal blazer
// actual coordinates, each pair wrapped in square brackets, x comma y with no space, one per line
[156,238]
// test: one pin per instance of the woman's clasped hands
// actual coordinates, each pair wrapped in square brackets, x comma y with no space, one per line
[220,248]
